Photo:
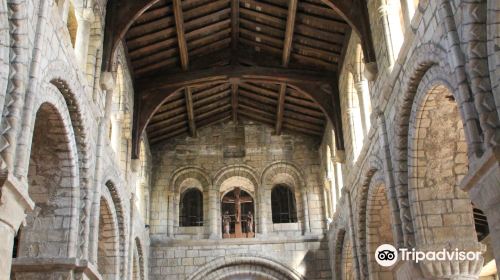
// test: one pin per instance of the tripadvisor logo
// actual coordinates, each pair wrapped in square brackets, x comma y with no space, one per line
[387,255]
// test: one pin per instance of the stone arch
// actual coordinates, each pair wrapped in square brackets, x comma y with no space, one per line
[241,175]
[140,258]
[430,61]
[181,180]
[288,174]
[63,81]
[379,228]
[120,210]
[228,266]
[108,263]
[53,182]
[347,266]
[337,254]
[361,205]
[440,209]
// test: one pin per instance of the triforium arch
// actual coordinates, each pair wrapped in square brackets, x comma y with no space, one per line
[245,266]
[51,229]
[441,211]
[426,59]
[53,178]
[182,180]
[379,228]
[140,259]
[108,240]
[284,173]
[120,211]
[225,180]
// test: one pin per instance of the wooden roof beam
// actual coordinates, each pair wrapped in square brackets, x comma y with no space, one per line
[280,109]
[190,111]
[234,99]
[290,27]
[235,21]
[179,26]
[161,81]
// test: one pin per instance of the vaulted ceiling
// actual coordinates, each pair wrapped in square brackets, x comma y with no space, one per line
[199,62]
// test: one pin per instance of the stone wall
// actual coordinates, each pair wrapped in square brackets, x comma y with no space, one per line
[184,259]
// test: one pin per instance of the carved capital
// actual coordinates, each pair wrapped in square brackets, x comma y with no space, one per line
[107,81]
[371,71]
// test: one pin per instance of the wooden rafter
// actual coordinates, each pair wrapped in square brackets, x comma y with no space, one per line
[179,26]
[235,23]
[190,111]
[280,109]
[290,27]
[234,99]
[160,80]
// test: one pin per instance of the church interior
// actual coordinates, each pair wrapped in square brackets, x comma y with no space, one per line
[249,139]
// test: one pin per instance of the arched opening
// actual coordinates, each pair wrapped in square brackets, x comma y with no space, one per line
[107,258]
[437,163]
[191,208]
[346,265]
[237,208]
[378,230]
[52,186]
[283,205]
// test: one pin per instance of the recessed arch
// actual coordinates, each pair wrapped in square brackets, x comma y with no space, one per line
[222,268]
[108,259]
[434,174]
[53,185]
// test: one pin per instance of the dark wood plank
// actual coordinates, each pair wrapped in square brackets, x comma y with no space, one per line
[152,67]
[155,47]
[214,111]
[259,90]
[258,111]
[263,7]
[261,38]
[158,123]
[206,20]
[190,111]
[290,27]
[302,110]
[207,30]
[206,9]
[162,138]
[167,129]
[215,119]
[280,109]
[208,40]
[153,26]
[262,18]
[179,25]
[258,97]
[212,98]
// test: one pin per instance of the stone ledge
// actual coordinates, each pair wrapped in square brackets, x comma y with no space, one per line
[237,241]
[55,264]
[481,167]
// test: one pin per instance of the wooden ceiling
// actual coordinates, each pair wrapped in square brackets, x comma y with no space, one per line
[178,35]
[198,62]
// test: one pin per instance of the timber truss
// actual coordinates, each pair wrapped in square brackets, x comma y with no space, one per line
[199,62]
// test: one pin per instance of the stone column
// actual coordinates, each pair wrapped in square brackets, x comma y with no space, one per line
[116,136]
[305,202]
[170,220]
[213,214]
[85,20]
[264,211]
[392,30]
[364,104]
[14,201]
